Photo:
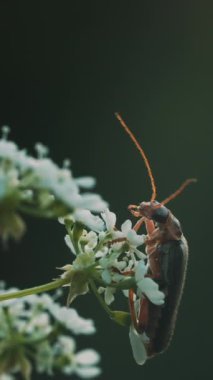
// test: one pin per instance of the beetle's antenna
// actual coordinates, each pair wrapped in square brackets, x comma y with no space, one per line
[179,191]
[133,138]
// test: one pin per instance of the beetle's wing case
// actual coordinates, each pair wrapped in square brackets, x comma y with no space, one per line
[173,256]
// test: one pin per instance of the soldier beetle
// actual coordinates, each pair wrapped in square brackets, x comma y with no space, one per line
[167,255]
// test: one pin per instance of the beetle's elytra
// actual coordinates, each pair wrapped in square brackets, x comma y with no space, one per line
[167,250]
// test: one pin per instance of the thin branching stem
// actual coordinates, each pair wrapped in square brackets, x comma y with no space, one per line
[37,289]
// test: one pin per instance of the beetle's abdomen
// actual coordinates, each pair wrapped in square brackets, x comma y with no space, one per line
[173,256]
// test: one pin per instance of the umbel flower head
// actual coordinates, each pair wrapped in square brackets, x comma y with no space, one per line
[37,186]
[37,335]
[109,261]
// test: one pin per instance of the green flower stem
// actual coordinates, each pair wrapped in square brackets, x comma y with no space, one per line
[37,289]
[127,284]
[100,299]
[122,318]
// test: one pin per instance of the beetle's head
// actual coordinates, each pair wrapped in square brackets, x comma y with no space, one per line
[151,210]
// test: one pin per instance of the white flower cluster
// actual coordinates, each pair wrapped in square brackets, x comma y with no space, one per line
[111,258]
[37,186]
[107,260]
[37,333]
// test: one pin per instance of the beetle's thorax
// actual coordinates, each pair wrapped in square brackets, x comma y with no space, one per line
[167,226]
[155,211]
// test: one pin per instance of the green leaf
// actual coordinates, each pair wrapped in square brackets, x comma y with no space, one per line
[79,286]
[121,317]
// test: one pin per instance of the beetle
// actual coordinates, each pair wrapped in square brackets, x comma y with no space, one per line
[167,255]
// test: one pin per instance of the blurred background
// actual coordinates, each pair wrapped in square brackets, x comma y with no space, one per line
[65,68]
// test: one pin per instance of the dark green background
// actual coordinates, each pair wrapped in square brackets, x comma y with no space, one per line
[66,67]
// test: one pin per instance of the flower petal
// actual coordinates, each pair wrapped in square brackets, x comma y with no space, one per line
[151,290]
[88,219]
[87,357]
[92,202]
[88,372]
[69,244]
[85,182]
[106,276]
[140,271]
[126,226]
[135,239]
[138,348]
[110,219]
[108,296]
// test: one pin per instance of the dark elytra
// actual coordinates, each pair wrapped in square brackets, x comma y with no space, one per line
[173,257]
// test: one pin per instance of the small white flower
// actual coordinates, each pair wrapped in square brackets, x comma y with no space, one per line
[72,321]
[88,372]
[87,357]
[43,174]
[40,302]
[70,244]
[109,262]
[108,294]
[42,150]
[8,150]
[36,322]
[85,182]
[106,276]
[40,322]
[92,202]
[106,264]
[82,363]
[89,220]
[133,238]
[65,345]
[91,238]
[16,308]
[147,286]
[109,219]
[102,252]
[86,363]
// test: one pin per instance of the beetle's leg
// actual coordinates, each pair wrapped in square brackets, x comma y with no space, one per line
[141,322]
[151,248]
[150,242]
[143,314]
[139,224]
[150,226]
[134,210]
[118,240]
[132,308]
[154,233]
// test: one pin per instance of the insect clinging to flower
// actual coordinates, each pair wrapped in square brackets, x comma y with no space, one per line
[167,256]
